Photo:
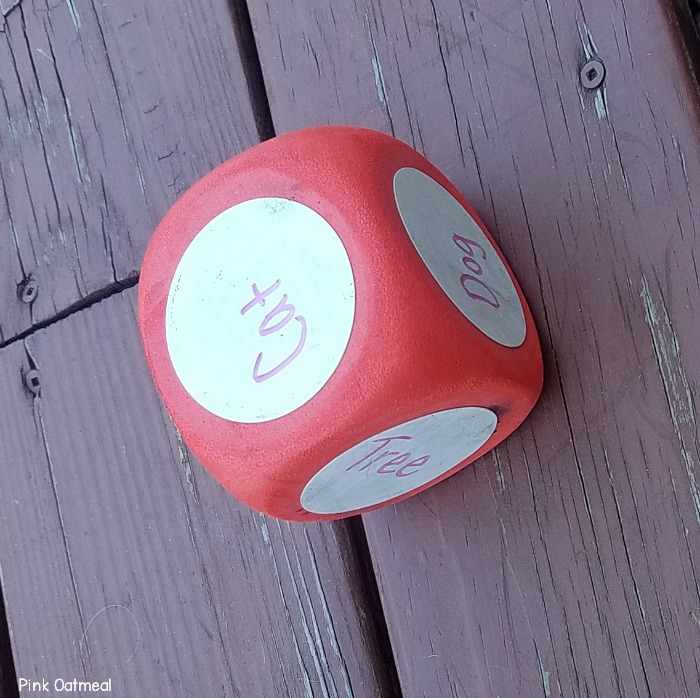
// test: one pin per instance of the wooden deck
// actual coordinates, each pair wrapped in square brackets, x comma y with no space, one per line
[564,563]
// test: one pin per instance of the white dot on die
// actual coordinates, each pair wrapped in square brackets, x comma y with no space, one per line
[260,310]
[460,257]
[398,460]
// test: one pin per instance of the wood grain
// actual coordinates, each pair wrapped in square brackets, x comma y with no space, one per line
[123,559]
[566,562]
[108,111]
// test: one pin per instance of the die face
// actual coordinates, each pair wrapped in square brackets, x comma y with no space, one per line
[460,257]
[398,461]
[406,351]
[269,320]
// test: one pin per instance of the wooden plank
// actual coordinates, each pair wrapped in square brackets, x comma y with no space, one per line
[565,563]
[122,559]
[108,111]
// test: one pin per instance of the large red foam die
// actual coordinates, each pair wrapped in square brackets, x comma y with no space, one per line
[331,326]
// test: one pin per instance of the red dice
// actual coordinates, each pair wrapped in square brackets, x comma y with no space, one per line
[331,326]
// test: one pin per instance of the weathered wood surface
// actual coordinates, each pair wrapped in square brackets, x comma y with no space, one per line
[566,563]
[108,111]
[123,559]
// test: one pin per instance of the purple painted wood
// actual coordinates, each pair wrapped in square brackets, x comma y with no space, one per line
[121,557]
[108,111]
[565,563]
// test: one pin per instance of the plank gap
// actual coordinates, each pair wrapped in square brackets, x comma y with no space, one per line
[389,682]
[252,69]
[84,303]
[8,675]
[688,18]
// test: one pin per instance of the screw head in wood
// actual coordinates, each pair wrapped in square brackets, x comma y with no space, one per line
[28,290]
[32,379]
[592,74]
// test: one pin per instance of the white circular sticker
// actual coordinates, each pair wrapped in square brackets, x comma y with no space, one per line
[398,460]
[260,310]
[460,257]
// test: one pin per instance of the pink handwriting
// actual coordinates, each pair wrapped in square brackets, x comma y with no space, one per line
[274,321]
[387,459]
[471,282]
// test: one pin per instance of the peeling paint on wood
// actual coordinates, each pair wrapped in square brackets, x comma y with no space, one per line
[377,70]
[590,52]
[73,13]
[546,685]
[5,10]
[681,405]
